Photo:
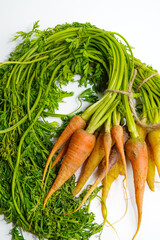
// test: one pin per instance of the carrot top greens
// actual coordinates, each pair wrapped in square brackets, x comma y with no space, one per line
[31,81]
[31,88]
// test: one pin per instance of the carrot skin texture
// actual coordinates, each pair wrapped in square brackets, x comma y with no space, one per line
[136,150]
[117,134]
[92,162]
[151,167]
[107,181]
[80,147]
[154,140]
[107,142]
[75,123]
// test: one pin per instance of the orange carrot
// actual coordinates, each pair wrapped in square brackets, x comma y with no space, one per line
[92,162]
[113,158]
[154,140]
[117,134]
[75,123]
[136,151]
[80,147]
[61,154]
[151,167]
[115,155]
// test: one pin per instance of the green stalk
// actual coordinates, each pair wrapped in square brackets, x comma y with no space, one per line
[151,83]
[92,128]
[147,104]
[62,35]
[39,142]
[28,95]
[107,124]
[116,117]
[29,55]
[118,57]
[152,106]
[129,118]
[15,174]
[27,62]
[26,116]
[98,106]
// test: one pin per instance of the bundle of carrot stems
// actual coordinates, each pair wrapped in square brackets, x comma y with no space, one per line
[122,125]
[99,135]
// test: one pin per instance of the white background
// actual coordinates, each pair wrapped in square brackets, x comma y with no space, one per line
[139,23]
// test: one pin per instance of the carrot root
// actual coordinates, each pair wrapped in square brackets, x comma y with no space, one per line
[80,147]
[154,140]
[92,162]
[107,141]
[136,151]
[151,167]
[75,123]
[117,134]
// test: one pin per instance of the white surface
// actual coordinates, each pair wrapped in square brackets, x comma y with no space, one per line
[138,22]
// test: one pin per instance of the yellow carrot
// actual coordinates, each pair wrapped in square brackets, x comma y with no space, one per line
[91,164]
[107,182]
[154,140]
[151,167]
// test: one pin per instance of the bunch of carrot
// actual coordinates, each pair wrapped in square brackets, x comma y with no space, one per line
[99,138]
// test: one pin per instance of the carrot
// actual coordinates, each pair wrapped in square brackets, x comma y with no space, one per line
[114,169]
[154,140]
[92,188]
[80,147]
[151,167]
[136,151]
[117,134]
[92,162]
[61,154]
[113,158]
[115,155]
[75,123]
[141,131]
[101,176]
[107,142]
[112,175]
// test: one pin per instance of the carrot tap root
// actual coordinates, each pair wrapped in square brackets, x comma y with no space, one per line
[107,142]
[75,123]
[151,167]
[91,164]
[117,134]
[107,182]
[136,150]
[90,191]
[79,149]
